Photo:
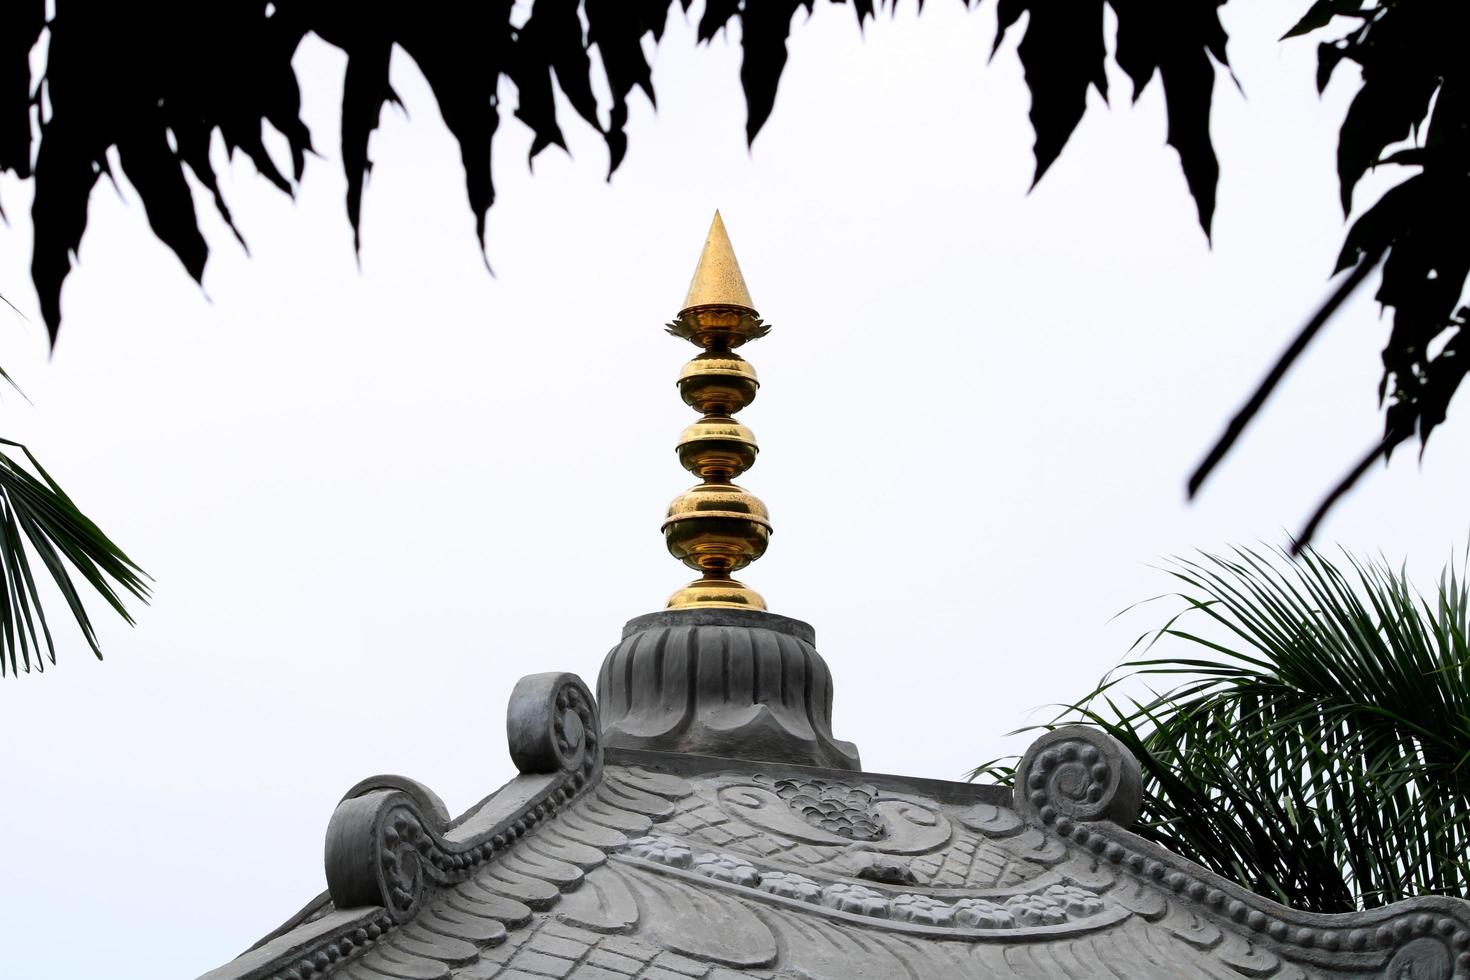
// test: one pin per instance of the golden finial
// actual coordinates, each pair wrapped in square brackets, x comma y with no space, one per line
[716,527]
[717,280]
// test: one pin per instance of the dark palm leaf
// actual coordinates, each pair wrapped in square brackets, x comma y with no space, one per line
[1313,746]
[35,511]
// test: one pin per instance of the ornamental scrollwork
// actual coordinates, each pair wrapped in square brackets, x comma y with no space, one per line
[835,812]
[1085,787]
[390,842]
[1078,775]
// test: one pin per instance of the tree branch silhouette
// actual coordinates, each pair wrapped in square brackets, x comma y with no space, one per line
[152,85]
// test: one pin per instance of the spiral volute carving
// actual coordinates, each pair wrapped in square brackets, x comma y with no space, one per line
[391,841]
[1078,775]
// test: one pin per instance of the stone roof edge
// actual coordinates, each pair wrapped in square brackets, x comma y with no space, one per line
[391,845]
[1082,785]
[685,763]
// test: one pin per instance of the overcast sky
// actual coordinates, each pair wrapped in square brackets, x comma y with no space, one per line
[372,498]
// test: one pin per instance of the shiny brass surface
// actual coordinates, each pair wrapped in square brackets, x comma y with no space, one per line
[717,448]
[725,499]
[718,383]
[717,279]
[716,527]
[715,327]
[716,592]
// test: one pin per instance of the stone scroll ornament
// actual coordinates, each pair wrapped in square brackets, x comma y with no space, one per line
[390,841]
[1084,786]
[1076,774]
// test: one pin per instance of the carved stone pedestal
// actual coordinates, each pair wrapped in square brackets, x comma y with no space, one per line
[733,683]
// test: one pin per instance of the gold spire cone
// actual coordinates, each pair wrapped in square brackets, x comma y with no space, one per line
[717,280]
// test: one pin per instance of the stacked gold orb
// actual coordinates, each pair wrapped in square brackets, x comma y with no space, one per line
[717,528]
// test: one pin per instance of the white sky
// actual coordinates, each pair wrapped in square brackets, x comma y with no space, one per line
[372,499]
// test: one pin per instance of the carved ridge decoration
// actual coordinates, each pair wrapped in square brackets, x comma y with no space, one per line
[1081,784]
[844,809]
[1058,909]
[390,843]
[835,812]
[602,865]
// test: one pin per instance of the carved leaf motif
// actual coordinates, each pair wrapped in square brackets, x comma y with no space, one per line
[912,828]
[476,929]
[1040,848]
[529,891]
[417,941]
[592,834]
[615,817]
[706,925]
[662,784]
[890,824]
[816,948]
[1083,869]
[380,962]
[1168,958]
[562,875]
[1421,959]
[1290,971]
[763,808]
[1140,899]
[838,808]
[1199,933]
[552,843]
[1247,957]
[470,896]
[1038,961]
[991,820]
[603,904]
[626,797]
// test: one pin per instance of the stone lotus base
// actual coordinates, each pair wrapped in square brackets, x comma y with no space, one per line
[731,683]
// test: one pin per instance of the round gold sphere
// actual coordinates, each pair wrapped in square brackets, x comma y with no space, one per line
[718,383]
[717,448]
[717,527]
[716,592]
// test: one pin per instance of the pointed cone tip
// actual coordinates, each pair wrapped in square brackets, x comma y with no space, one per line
[717,278]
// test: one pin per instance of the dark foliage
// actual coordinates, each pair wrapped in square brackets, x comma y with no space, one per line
[149,86]
[37,516]
[1305,735]
[1064,51]
[1415,91]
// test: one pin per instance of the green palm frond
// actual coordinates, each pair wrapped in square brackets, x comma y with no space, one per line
[37,516]
[1311,738]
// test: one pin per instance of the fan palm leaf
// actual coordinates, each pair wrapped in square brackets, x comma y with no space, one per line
[1309,736]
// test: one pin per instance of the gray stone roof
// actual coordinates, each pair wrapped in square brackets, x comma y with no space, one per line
[605,862]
